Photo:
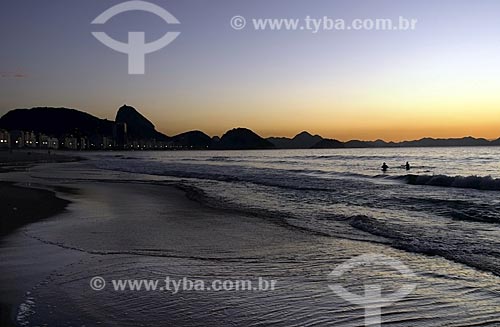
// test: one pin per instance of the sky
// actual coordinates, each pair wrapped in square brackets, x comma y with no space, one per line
[440,80]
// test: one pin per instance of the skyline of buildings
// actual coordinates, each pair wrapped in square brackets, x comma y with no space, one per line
[17,139]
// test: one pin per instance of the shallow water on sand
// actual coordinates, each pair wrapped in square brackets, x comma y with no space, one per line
[447,205]
[249,222]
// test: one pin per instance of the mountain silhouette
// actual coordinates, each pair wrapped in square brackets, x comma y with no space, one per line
[138,126]
[242,139]
[303,140]
[193,139]
[56,122]
[60,122]
[424,142]
[328,144]
[358,144]
[430,142]
[369,144]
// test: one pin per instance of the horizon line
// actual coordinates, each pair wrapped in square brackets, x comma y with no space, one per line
[402,140]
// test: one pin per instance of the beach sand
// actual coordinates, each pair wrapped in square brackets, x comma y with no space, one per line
[21,206]
[132,226]
[129,220]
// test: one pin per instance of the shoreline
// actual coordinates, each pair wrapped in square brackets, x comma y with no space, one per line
[21,206]
[19,160]
[126,226]
[180,230]
[24,205]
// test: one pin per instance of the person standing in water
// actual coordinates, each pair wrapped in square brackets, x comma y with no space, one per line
[385,167]
[407,166]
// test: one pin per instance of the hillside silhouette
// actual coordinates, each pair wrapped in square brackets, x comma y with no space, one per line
[242,139]
[59,122]
[138,126]
[303,140]
[56,122]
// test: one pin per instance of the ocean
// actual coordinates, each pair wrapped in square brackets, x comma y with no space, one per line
[292,216]
[448,203]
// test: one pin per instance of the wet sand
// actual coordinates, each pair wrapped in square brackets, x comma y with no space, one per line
[20,206]
[24,205]
[112,230]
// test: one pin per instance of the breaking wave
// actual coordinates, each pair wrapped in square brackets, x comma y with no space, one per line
[470,182]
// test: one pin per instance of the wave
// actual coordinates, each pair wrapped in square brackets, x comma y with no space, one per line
[457,248]
[486,183]
[281,178]
[217,158]
[482,256]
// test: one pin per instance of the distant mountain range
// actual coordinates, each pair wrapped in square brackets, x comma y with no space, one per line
[59,122]
[302,140]
[318,142]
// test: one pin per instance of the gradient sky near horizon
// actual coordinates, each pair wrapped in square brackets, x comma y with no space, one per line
[441,80]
